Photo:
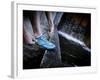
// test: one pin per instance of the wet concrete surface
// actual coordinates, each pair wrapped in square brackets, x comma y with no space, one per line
[72,54]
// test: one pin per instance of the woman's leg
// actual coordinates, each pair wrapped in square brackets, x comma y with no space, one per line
[36,23]
[40,39]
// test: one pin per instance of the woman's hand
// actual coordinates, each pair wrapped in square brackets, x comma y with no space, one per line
[51,30]
[50,23]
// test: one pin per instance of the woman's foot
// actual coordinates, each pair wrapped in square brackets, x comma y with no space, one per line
[44,43]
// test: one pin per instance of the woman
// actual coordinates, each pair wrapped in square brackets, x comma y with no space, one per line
[38,37]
